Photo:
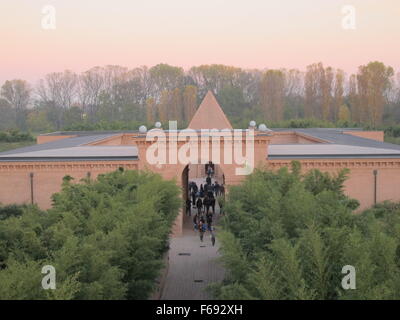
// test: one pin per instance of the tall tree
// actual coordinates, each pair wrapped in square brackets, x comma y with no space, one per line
[326,79]
[294,94]
[215,77]
[91,85]
[338,91]
[272,93]
[175,109]
[354,101]
[58,91]
[373,82]
[165,77]
[7,119]
[189,102]
[317,91]
[17,93]
[150,111]
[163,106]
[312,91]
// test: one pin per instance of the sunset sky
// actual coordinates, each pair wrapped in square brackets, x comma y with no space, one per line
[248,34]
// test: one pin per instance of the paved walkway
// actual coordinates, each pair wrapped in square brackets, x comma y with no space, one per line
[192,263]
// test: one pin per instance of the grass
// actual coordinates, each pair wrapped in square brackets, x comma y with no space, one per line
[5,146]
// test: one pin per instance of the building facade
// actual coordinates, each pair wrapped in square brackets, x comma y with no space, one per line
[32,174]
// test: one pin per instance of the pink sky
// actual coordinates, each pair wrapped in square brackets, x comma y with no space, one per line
[248,34]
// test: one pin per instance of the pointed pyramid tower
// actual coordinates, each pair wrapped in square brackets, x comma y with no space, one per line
[209,115]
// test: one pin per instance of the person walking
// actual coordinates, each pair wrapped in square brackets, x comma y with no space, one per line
[190,186]
[199,205]
[207,204]
[216,188]
[201,191]
[193,198]
[209,219]
[212,238]
[209,171]
[195,221]
[212,204]
[202,228]
[222,190]
[221,206]
[188,207]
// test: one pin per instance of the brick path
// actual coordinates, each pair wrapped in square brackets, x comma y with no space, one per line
[189,275]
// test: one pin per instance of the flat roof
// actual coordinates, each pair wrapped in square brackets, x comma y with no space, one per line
[337,136]
[76,153]
[62,143]
[309,151]
[72,149]
[337,145]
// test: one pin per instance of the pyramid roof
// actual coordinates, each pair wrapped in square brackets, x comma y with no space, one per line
[209,115]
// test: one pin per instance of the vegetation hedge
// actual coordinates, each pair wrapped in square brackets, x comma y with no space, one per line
[105,238]
[288,235]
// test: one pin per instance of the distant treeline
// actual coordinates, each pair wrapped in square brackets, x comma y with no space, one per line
[115,97]
[15,136]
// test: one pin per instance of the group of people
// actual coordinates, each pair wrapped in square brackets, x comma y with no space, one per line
[203,199]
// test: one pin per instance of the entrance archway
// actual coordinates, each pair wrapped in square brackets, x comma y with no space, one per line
[196,173]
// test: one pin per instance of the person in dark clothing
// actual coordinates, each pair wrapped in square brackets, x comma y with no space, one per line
[222,190]
[208,166]
[209,219]
[195,187]
[207,204]
[201,193]
[208,180]
[199,205]
[212,204]
[193,198]
[206,187]
[212,238]
[188,207]
[196,220]
[221,207]
[216,188]
[202,228]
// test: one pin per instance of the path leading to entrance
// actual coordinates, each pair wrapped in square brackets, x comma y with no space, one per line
[193,264]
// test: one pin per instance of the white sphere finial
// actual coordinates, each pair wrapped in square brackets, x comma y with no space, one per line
[252,123]
[157,125]
[142,129]
[262,127]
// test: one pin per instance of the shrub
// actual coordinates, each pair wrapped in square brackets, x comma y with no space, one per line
[106,238]
[287,236]
[15,136]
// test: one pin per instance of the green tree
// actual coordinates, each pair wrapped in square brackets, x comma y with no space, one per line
[288,235]
[106,239]
[17,93]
